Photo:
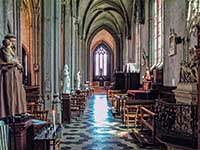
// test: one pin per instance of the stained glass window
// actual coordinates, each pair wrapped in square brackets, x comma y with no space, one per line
[101,59]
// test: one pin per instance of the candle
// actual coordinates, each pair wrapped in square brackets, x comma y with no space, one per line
[60,117]
[173,82]
[54,120]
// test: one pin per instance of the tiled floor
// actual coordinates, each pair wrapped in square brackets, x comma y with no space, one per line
[97,129]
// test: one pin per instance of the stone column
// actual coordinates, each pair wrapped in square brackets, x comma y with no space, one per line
[57,69]
[18,30]
[81,56]
[3,18]
[74,51]
[68,38]
[35,39]
[85,63]
[57,33]
[125,50]
[47,47]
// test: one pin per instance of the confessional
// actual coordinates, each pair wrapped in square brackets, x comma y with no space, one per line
[126,81]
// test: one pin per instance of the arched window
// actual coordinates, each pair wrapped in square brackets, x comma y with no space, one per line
[156,33]
[101,57]
[102,62]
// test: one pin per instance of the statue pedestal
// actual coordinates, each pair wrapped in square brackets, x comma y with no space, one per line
[186,93]
[66,112]
[20,135]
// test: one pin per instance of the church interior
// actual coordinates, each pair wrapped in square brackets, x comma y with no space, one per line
[99,74]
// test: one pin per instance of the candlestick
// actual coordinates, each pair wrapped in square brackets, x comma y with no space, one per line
[54,120]
[60,117]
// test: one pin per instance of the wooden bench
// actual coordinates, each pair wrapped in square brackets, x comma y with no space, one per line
[174,125]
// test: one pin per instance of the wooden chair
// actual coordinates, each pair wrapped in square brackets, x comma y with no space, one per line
[131,115]
[33,106]
[75,105]
[41,114]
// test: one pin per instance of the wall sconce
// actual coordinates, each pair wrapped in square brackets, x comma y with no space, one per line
[179,40]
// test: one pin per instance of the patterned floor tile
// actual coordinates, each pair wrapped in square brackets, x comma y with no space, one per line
[97,129]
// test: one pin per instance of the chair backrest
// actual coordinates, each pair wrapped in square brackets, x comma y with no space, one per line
[32,106]
[131,109]
[41,114]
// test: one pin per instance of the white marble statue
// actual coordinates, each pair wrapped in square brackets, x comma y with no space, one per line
[66,86]
[78,80]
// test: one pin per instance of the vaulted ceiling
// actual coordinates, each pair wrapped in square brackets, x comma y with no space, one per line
[104,14]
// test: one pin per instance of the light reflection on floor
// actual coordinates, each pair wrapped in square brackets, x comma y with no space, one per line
[100,111]
[97,129]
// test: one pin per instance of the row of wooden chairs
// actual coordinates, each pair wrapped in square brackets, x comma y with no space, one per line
[129,112]
[78,103]
[35,109]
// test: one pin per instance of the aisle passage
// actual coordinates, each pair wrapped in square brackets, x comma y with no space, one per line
[96,129]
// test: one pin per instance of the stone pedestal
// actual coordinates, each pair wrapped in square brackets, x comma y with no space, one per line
[186,93]
[66,113]
[20,135]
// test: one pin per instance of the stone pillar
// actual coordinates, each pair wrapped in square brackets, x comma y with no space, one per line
[51,25]
[35,39]
[129,50]
[68,38]
[85,63]
[126,50]
[57,69]
[47,47]
[3,18]
[57,33]
[18,30]
[74,51]
[81,55]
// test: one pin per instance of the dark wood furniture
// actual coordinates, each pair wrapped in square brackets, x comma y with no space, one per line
[41,114]
[131,103]
[33,106]
[143,94]
[66,113]
[32,93]
[174,125]
[36,127]
[48,139]
[132,81]
[20,134]
[118,81]
[126,81]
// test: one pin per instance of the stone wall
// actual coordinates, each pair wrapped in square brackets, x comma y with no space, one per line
[175,18]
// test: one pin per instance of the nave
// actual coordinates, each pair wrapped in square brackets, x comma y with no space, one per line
[97,129]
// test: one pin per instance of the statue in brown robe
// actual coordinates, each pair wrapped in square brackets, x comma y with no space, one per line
[12,94]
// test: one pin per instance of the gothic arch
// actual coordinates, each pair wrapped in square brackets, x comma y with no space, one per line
[112,55]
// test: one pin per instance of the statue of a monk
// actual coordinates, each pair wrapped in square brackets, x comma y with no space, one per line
[13,100]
